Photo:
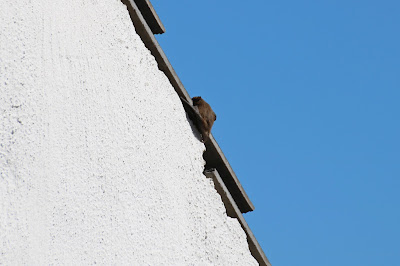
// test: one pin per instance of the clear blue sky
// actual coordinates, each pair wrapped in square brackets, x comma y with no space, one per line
[307,97]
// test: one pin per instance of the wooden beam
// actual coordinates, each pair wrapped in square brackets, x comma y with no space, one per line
[232,210]
[150,15]
[214,156]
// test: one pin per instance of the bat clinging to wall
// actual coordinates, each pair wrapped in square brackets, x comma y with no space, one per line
[202,116]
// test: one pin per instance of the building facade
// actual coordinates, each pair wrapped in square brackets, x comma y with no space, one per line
[99,163]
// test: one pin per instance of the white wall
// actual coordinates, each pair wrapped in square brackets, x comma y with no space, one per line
[98,163]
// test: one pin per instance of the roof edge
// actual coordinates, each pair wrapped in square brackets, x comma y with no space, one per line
[232,210]
[213,156]
[150,15]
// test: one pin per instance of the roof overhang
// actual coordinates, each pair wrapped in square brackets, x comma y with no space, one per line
[232,210]
[213,155]
[225,180]
[150,15]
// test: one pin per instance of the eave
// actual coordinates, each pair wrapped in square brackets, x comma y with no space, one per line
[213,155]
[225,180]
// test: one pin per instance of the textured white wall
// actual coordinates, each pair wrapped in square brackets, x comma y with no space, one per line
[98,163]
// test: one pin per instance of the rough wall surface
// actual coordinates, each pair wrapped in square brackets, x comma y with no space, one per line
[98,163]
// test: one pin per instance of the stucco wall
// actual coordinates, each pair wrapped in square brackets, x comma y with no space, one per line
[98,163]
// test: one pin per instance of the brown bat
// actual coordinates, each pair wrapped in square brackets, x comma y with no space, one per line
[202,116]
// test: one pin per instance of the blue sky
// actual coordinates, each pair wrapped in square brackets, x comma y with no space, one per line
[307,97]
